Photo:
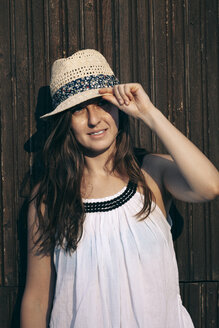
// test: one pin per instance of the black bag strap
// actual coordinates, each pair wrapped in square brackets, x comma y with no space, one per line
[139,154]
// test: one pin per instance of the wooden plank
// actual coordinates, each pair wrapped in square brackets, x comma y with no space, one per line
[125,36]
[212,85]
[211,305]
[8,318]
[199,246]
[63,13]
[142,65]
[134,67]
[142,45]
[196,132]
[201,301]
[40,45]
[212,66]
[158,61]
[54,29]
[90,24]
[23,115]
[205,138]
[160,52]
[194,70]
[192,300]
[22,107]
[182,244]
[9,185]
[39,72]
[176,72]
[6,104]
[177,113]
[73,26]
[199,134]
[107,34]
[124,42]
[181,119]
[213,239]
[116,32]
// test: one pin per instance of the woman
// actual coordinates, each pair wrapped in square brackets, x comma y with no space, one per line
[103,217]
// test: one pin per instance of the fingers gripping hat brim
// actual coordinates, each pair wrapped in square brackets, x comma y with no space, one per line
[77,79]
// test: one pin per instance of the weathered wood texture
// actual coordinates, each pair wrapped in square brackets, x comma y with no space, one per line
[168,46]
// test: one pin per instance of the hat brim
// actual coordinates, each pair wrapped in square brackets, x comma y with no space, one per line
[74,100]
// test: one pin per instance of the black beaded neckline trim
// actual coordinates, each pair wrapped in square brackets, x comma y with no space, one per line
[109,205]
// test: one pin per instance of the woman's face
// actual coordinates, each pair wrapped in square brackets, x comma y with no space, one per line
[95,125]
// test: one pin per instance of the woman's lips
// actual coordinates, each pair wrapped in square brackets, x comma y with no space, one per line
[97,133]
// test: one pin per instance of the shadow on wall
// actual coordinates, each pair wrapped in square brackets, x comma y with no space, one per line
[34,146]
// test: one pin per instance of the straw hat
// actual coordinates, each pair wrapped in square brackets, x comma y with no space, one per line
[77,79]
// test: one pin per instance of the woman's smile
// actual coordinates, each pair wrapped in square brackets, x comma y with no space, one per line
[97,133]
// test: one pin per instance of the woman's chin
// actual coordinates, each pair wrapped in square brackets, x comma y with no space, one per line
[98,150]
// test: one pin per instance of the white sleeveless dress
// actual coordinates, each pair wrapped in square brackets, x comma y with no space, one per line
[124,272]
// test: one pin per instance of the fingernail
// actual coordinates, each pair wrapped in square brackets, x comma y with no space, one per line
[127,102]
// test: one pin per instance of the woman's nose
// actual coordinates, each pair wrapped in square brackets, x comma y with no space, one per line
[94,114]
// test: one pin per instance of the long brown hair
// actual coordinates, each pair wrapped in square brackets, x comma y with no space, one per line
[59,188]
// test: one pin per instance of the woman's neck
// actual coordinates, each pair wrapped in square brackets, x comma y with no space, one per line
[98,182]
[100,165]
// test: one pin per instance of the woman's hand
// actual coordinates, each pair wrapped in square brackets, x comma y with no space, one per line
[183,177]
[130,98]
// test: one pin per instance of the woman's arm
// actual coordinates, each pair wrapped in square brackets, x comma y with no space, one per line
[38,294]
[186,173]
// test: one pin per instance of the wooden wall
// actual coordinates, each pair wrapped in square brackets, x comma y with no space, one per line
[170,46]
